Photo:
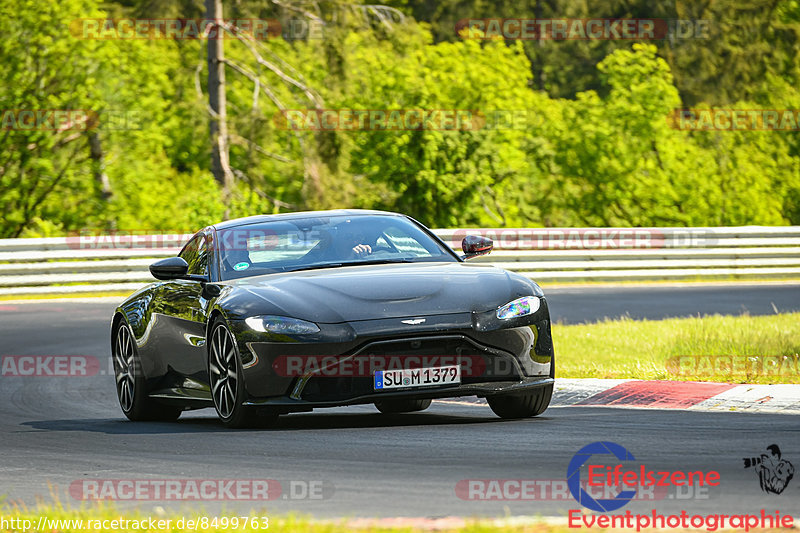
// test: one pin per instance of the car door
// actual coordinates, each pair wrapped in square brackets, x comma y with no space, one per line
[183,308]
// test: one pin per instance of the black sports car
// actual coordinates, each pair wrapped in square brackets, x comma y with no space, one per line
[275,314]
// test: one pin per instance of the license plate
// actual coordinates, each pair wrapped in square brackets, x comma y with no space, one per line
[417,377]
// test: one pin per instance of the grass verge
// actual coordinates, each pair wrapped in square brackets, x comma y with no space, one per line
[736,349]
[106,519]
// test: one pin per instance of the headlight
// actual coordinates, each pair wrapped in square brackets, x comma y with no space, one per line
[524,306]
[281,324]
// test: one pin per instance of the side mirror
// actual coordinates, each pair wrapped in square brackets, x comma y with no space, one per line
[169,268]
[475,245]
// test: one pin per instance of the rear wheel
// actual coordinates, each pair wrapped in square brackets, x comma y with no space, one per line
[227,382]
[402,405]
[131,389]
[521,405]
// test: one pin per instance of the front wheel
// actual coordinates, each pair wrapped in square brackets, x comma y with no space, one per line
[521,405]
[227,381]
[402,406]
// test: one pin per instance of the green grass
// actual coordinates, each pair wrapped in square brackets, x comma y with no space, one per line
[763,349]
[277,523]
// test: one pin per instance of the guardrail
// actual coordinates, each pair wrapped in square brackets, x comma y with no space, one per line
[118,263]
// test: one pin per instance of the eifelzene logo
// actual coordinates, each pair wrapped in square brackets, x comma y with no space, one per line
[774,472]
[627,478]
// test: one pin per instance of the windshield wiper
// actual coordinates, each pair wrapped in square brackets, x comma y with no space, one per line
[315,267]
[376,262]
[350,263]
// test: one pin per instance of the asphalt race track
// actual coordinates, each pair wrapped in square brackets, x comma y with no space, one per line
[60,431]
[656,302]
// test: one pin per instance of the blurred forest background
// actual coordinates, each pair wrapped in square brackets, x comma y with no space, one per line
[595,148]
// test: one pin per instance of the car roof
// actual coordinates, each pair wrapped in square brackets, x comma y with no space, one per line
[300,214]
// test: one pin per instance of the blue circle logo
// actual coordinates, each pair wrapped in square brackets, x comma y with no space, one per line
[574,476]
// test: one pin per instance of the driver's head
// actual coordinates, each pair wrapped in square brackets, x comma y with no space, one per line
[347,236]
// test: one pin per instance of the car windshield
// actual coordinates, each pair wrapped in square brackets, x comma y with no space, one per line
[322,242]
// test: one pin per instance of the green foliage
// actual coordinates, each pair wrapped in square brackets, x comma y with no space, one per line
[47,179]
[568,133]
[622,164]
[440,175]
[745,41]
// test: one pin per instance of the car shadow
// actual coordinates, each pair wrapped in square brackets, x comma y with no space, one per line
[121,426]
[293,422]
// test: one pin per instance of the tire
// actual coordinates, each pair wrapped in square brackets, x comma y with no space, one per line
[402,406]
[521,405]
[130,382]
[226,380]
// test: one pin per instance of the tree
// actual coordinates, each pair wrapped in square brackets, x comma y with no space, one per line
[218,125]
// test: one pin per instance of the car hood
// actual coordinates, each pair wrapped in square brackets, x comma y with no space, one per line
[352,293]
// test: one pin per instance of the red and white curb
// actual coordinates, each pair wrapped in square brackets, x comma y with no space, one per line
[687,395]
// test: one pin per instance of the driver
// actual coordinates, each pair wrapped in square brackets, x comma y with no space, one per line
[351,242]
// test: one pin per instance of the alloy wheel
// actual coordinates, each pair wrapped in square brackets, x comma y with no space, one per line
[124,367]
[223,375]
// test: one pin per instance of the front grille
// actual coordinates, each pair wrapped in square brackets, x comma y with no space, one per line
[423,346]
[356,377]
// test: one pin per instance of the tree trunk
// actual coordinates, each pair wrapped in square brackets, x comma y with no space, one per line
[218,127]
[99,165]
